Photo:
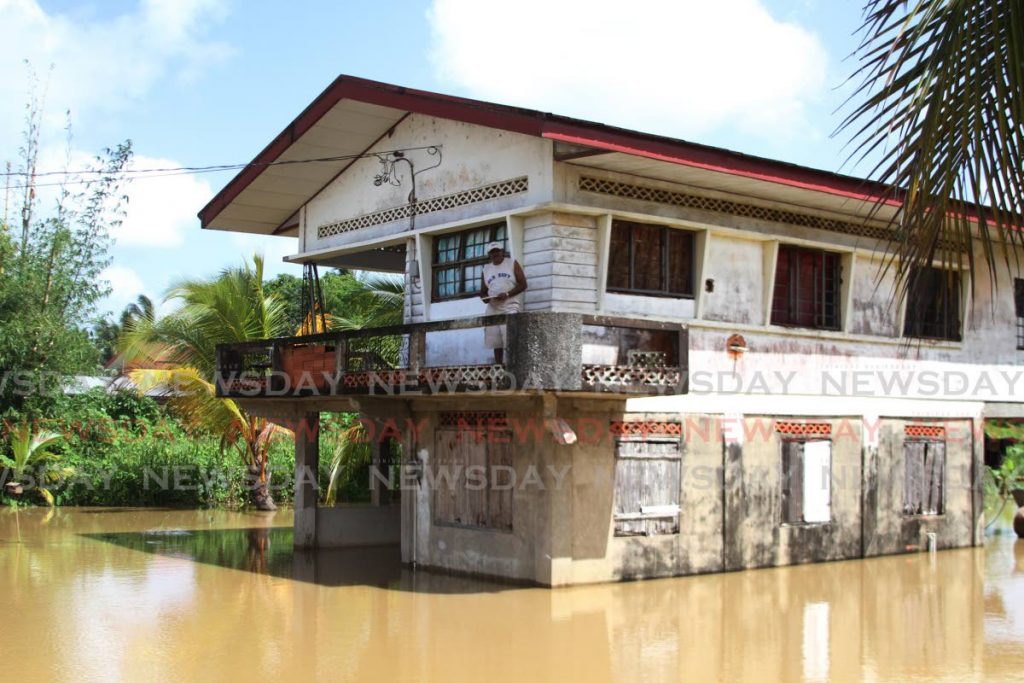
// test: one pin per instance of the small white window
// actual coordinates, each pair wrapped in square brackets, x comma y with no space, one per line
[806,482]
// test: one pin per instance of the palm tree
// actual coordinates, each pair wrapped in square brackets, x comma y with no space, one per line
[30,450]
[180,351]
[106,332]
[140,309]
[941,110]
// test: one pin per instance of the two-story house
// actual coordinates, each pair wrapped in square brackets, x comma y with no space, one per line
[713,368]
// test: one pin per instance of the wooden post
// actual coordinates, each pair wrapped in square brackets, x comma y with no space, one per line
[307,464]
[683,360]
[340,364]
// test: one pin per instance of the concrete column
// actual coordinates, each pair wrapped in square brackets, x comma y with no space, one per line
[869,486]
[732,494]
[977,492]
[307,464]
[381,461]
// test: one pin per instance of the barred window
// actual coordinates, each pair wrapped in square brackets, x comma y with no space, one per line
[933,304]
[807,286]
[459,259]
[652,260]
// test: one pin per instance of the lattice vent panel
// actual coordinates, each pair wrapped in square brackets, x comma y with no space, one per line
[504,188]
[692,201]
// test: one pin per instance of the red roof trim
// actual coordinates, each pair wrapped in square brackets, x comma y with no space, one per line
[807,181]
[540,124]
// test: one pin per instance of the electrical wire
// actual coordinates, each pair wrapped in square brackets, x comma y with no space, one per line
[146,173]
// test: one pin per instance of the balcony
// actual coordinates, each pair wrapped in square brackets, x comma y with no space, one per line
[545,352]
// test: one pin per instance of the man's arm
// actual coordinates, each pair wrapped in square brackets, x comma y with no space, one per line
[483,286]
[520,279]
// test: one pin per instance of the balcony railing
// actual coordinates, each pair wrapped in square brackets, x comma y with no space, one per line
[544,351]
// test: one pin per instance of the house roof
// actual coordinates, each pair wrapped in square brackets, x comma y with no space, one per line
[353,114]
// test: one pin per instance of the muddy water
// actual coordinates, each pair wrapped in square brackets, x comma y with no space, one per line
[127,595]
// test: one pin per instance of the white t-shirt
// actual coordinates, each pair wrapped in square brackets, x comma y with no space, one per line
[501,279]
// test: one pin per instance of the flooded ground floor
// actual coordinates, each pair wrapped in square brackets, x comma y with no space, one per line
[137,595]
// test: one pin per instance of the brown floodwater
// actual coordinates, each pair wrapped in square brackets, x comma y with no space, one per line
[141,595]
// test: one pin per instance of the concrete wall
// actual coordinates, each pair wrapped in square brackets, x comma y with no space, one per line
[487,552]
[730,499]
[356,525]
[886,530]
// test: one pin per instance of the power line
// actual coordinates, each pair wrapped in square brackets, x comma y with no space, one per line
[146,173]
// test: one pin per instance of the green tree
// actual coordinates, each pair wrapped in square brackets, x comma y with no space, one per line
[940,106]
[355,300]
[180,350]
[50,272]
[107,332]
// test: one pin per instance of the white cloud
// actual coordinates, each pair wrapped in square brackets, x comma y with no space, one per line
[125,286]
[161,210]
[101,64]
[677,67]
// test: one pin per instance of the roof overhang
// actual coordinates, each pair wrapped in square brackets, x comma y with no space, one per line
[352,115]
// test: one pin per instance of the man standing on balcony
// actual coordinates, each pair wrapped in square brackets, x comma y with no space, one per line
[501,282]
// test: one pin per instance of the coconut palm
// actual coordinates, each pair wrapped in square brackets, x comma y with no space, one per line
[179,350]
[106,332]
[940,108]
[29,451]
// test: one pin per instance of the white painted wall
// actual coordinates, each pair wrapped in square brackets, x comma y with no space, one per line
[473,157]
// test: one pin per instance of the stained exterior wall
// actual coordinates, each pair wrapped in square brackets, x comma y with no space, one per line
[730,499]
[560,233]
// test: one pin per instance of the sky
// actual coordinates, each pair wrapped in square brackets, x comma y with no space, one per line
[205,82]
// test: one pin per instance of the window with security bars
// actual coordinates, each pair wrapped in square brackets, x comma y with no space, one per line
[647,485]
[652,260]
[806,481]
[459,259]
[807,287]
[1018,303]
[925,464]
[933,304]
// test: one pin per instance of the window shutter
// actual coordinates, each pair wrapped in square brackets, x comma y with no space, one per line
[934,467]
[793,481]
[647,486]
[914,483]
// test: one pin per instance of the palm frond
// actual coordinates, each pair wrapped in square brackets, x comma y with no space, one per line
[940,112]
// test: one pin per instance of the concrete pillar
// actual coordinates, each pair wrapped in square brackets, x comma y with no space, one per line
[869,486]
[380,494]
[307,464]
[732,495]
[977,491]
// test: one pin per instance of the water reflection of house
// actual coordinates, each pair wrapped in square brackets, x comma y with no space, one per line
[713,370]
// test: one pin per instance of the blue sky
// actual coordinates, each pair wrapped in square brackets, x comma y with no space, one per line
[202,82]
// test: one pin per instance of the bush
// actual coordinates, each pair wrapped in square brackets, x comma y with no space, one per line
[165,467]
[127,451]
